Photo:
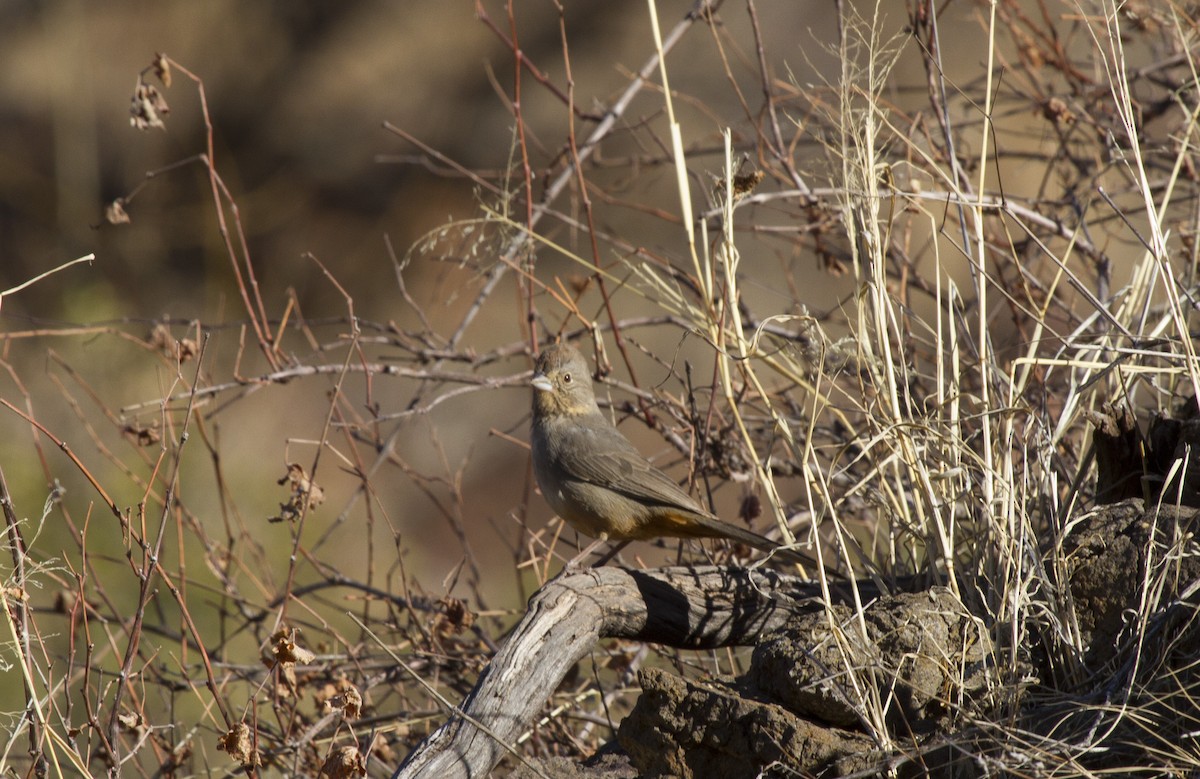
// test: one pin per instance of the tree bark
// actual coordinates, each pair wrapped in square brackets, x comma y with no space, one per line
[686,607]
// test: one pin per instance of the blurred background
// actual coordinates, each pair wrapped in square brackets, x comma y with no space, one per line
[298,96]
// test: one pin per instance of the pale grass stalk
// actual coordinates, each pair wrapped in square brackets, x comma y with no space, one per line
[703,274]
[880,332]
[704,270]
[728,260]
[1115,69]
[858,154]
[88,258]
[54,742]
[979,259]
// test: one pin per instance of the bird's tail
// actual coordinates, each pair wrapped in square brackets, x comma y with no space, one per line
[716,528]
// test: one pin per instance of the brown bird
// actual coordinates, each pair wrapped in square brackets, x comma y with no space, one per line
[595,479]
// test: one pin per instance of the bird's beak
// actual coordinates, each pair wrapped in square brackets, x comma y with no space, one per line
[541,383]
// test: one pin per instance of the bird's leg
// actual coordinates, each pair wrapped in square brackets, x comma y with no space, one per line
[611,553]
[575,563]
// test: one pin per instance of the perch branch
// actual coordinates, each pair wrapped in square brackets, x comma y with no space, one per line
[686,607]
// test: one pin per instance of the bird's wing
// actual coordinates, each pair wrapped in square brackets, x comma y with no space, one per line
[599,454]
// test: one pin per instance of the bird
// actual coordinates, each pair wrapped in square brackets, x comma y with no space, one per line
[597,481]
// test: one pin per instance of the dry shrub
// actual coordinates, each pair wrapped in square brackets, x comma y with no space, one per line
[867,310]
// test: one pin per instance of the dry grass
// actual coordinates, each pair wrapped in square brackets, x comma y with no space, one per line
[1017,239]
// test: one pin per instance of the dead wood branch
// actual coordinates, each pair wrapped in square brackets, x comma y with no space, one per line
[694,608]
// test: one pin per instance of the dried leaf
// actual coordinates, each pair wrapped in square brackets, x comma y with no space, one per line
[142,436]
[162,69]
[286,685]
[345,762]
[133,722]
[180,350]
[238,743]
[115,214]
[187,349]
[303,489]
[284,649]
[148,107]
[744,185]
[348,702]
[1056,110]
[454,618]
[751,508]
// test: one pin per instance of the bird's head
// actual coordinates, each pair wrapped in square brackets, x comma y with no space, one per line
[562,384]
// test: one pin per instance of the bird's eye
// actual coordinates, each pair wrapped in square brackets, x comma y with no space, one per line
[566,378]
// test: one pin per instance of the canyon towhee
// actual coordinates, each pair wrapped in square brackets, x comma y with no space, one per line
[595,479]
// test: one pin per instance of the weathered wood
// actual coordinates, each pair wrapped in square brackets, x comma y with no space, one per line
[694,608]
[1120,449]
